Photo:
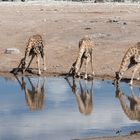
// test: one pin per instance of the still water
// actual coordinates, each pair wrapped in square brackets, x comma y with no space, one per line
[55,108]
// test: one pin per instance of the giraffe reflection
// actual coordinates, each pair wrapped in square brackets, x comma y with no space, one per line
[130,104]
[83,95]
[35,95]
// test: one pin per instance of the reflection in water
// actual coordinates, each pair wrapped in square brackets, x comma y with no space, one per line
[34,95]
[57,123]
[130,104]
[83,96]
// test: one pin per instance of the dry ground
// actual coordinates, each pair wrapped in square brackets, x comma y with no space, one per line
[113,27]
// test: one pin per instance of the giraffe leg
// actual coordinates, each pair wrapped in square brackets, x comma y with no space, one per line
[133,73]
[30,62]
[20,63]
[43,57]
[138,78]
[78,73]
[87,61]
[27,52]
[44,62]
[92,64]
[16,70]
[38,65]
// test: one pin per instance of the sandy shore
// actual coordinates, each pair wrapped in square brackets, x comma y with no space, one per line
[113,27]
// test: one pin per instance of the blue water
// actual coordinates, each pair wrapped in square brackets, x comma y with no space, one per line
[55,114]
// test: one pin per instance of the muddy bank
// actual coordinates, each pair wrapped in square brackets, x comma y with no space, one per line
[134,136]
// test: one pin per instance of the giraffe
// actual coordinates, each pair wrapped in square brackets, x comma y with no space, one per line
[83,97]
[34,48]
[86,46]
[131,59]
[35,96]
[133,110]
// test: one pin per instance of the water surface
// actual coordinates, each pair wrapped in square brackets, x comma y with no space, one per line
[60,111]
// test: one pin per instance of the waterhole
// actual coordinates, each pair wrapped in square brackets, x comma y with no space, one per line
[64,109]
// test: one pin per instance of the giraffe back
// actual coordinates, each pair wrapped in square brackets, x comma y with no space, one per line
[85,50]
[34,45]
[85,46]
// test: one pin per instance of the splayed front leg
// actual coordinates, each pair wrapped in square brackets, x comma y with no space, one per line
[30,62]
[87,61]
[91,60]
[44,63]
[43,57]
[133,73]
[38,65]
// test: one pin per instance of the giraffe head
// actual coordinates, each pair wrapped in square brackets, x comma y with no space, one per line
[23,64]
[118,77]
[73,71]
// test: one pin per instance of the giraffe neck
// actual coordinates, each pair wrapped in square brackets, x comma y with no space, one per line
[131,114]
[128,60]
